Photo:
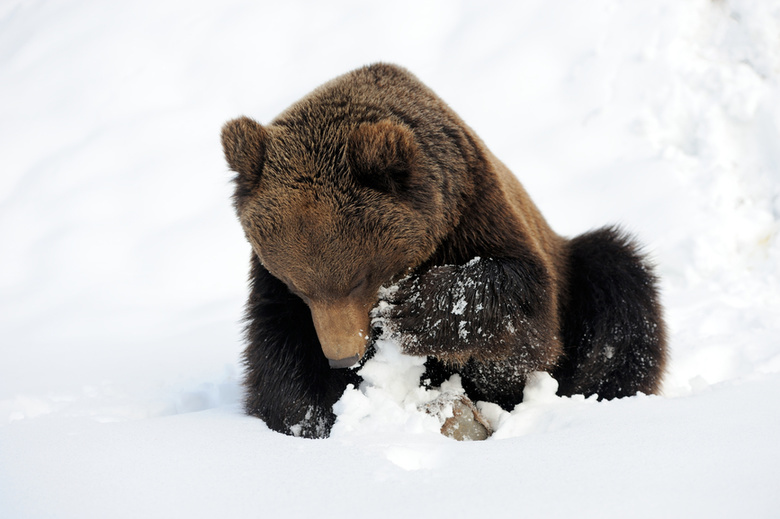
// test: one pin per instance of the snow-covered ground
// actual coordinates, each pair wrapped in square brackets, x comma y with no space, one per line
[122,267]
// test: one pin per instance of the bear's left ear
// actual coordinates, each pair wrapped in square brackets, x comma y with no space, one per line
[382,155]
[243,141]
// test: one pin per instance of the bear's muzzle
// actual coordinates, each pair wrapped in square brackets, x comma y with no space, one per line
[343,330]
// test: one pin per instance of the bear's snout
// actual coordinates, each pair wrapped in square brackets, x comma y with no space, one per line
[343,330]
[344,363]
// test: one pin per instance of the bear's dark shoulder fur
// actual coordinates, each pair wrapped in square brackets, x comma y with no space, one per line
[372,179]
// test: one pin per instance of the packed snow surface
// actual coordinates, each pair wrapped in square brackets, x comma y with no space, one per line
[123,268]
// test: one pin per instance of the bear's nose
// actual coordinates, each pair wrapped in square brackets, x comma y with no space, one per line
[343,330]
[344,363]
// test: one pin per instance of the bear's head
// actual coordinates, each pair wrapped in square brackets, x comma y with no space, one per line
[335,209]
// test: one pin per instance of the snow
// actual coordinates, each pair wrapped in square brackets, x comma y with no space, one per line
[123,268]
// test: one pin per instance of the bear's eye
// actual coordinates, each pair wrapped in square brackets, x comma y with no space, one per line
[293,289]
[358,285]
[298,293]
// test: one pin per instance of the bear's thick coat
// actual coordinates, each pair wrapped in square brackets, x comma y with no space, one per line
[372,179]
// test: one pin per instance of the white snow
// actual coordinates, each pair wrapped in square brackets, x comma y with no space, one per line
[123,269]
[460,306]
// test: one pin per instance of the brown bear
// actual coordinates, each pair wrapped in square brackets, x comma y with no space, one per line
[370,180]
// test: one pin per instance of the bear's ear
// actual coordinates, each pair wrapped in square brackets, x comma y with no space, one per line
[382,155]
[243,141]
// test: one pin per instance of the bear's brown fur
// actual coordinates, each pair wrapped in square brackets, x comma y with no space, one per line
[372,178]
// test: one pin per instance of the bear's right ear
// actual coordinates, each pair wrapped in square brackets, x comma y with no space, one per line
[243,141]
[383,156]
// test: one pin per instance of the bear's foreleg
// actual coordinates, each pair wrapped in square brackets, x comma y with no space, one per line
[487,312]
[288,381]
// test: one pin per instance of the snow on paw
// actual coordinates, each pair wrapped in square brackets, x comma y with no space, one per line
[418,313]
